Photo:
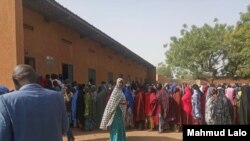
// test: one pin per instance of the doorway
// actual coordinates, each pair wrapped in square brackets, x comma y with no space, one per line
[67,72]
[92,76]
[30,61]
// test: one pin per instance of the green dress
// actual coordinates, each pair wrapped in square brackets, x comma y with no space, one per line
[100,106]
[117,129]
[88,124]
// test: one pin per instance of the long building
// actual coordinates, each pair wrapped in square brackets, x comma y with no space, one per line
[52,39]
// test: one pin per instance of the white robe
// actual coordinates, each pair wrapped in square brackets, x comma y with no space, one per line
[116,98]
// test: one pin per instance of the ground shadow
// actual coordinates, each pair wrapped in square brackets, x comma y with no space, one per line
[136,138]
[100,139]
[151,138]
[99,135]
[78,132]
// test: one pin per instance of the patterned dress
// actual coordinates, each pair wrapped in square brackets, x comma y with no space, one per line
[114,112]
[196,105]
[218,108]
[163,108]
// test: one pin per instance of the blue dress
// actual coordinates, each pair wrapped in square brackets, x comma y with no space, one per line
[117,130]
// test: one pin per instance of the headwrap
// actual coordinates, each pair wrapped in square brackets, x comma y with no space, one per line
[116,98]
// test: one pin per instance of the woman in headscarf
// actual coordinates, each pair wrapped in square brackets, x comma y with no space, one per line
[245,105]
[130,108]
[196,105]
[80,107]
[151,108]
[48,83]
[230,94]
[100,103]
[93,94]
[109,91]
[171,111]
[163,107]
[139,112]
[177,109]
[218,107]
[237,100]
[67,100]
[187,105]
[210,105]
[203,101]
[88,113]
[74,104]
[115,112]
[56,86]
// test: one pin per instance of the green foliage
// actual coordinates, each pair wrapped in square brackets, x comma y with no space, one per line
[183,74]
[212,50]
[199,49]
[164,70]
[238,48]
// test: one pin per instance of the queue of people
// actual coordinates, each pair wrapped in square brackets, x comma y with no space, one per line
[56,106]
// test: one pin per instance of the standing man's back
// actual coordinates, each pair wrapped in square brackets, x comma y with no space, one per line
[31,113]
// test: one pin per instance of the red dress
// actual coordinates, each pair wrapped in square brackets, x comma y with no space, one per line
[187,106]
[139,114]
[147,104]
[177,107]
[151,108]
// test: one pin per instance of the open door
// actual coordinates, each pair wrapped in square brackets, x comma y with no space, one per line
[67,72]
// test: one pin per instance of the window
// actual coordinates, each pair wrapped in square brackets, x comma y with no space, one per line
[67,72]
[28,27]
[92,75]
[30,61]
[110,77]
[67,42]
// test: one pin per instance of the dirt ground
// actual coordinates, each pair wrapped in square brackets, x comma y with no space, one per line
[131,136]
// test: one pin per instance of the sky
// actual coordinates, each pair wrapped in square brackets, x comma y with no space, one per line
[144,26]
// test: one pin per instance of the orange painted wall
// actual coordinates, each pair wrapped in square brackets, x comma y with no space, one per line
[84,53]
[11,39]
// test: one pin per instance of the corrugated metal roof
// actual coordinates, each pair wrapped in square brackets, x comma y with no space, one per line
[53,11]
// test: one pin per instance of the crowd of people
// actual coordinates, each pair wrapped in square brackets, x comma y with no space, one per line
[156,106]
[161,107]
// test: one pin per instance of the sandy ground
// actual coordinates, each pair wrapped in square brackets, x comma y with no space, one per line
[131,136]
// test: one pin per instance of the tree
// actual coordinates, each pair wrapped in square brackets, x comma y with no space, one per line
[238,48]
[199,49]
[164,70]
[212,50]
[183,74]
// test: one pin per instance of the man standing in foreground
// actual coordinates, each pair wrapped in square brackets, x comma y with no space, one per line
[31,113]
